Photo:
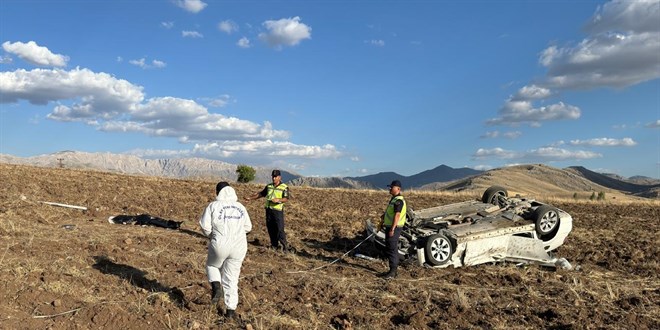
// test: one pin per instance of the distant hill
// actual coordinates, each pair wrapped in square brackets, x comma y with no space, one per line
[613,183]
[381,180]
[637,179]
[645,180]
[129,164]
[332,182]
[540,180]
[529,180]
[442,173]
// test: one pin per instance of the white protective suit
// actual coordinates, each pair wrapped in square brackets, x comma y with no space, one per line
[226,222]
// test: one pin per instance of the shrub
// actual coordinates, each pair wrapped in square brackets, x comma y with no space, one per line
[245,173]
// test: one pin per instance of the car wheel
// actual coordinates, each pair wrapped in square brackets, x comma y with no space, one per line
[438,249]
[492,194]
[546,218]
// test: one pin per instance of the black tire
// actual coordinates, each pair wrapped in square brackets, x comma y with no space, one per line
[438,250]
[546,220]
[492,194]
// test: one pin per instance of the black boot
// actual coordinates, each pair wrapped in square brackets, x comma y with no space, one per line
[390,274]
[230,314]
[216,291]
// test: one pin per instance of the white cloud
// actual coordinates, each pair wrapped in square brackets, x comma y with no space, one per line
[142,63]
[512,135]
[243,43]
[605,142]
[35,54]
[191,34]
[188,121]
[490,135]
[6,59]
[158,64]
[378,43]
[635,16]
[495,153]
[193,6]
[245,151]
[496,134]
[218,102]
[519,112]
[556,154]
[532,92]
[622,50]
[167,25]
[655,124]
[266,148]
[115,105]
[228,26]
[483,167]
[285,32]
[355,159]
[548,154]
[107,94]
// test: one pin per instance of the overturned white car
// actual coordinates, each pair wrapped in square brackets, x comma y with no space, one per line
[474,232]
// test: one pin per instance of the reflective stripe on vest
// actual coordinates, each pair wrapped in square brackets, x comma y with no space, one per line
[275,192]
[389,213]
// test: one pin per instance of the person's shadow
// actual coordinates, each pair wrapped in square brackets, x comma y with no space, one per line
[192,233]
[137,277]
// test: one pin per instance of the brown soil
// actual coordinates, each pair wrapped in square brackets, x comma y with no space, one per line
[63,268]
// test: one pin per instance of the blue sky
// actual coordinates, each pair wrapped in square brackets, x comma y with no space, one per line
[336,88]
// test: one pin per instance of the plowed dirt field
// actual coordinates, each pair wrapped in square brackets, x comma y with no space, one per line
[64,268]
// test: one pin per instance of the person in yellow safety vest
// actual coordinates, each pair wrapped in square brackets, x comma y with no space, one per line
[393,220]
[276,193]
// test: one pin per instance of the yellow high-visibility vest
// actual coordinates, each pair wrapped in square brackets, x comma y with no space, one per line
[275,192]
[389,212]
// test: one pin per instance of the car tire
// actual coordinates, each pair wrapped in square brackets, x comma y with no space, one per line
[438,250]
[492,194]
[546,220]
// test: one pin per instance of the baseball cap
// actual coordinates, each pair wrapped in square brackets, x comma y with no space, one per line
[276,173]
[395,183]
[220,185]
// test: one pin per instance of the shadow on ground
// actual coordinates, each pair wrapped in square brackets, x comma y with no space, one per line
[138,278]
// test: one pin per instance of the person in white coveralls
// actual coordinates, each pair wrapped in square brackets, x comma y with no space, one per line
[226,222]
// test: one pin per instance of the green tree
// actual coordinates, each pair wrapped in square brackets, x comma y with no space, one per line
[601,196]
[593,195]
[245,173]
[575,196]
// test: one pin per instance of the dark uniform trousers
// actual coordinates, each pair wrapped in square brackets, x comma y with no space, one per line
[275,226]
[391,247]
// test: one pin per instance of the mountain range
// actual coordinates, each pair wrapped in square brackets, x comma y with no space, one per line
[532,178]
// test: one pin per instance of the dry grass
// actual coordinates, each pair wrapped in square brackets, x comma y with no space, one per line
[114,276]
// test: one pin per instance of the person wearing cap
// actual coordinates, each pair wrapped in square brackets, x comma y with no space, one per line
[276,193]
[226,222]
[393,220]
